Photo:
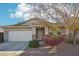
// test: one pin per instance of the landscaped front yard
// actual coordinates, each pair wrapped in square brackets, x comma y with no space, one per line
[63,49]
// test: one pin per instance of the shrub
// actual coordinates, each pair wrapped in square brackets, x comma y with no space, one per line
[53,40]
[33,44]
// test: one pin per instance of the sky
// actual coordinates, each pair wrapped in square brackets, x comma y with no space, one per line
[5,10]
[12,13]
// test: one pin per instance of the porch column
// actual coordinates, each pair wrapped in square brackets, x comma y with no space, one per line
[34,33]
[46,31]
[6,35]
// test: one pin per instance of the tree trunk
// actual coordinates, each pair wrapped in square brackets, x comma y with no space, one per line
[75,39]
[70,35]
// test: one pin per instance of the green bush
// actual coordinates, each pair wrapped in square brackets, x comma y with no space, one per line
[33,44]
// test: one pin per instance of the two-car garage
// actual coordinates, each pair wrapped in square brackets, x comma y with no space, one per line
[16,36]
[19,35]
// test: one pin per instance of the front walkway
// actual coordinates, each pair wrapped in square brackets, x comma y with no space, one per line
[68,50]
[62,50]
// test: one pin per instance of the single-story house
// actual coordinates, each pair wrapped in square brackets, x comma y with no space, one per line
[34,28]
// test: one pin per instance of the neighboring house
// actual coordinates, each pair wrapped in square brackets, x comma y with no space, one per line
[1,34]
[34,28]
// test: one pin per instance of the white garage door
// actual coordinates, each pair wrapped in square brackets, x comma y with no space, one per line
[20,35]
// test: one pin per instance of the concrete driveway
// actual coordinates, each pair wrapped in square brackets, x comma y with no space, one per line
[13,46]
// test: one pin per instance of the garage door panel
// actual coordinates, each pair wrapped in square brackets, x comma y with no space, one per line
[20,35]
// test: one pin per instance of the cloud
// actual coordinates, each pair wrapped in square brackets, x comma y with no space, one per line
[20,11]
[18,14]
[12,15]
[26,15]
[23,7]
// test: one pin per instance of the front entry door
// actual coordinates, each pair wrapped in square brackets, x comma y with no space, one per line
[39,33]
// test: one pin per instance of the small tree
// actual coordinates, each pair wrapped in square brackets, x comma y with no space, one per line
[70,17]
